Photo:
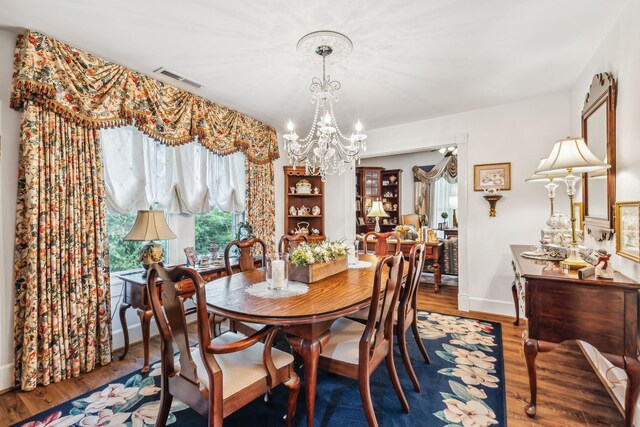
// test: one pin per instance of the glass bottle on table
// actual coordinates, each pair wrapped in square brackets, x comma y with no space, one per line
[352,257]
[277,270]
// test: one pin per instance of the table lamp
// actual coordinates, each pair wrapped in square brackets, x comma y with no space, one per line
[549,179]
[150,225]
[376,212]
[453,204]
[569,156]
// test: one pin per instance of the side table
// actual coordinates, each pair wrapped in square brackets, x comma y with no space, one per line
[135,296]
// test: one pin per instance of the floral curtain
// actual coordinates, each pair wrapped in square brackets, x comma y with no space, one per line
[62,318]
[261,202]
[86,89]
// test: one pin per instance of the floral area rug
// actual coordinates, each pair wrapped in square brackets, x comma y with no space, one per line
[463,386]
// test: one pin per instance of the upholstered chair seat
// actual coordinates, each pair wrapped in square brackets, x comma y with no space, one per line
[344,341]
[355,350]
[241,369]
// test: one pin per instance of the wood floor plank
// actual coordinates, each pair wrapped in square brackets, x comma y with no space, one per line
[569,392]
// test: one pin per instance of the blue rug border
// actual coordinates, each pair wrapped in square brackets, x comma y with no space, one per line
[49,411]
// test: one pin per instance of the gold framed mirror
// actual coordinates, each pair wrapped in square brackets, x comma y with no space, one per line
[599,132]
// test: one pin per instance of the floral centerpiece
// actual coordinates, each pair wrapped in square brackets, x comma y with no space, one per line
[311,262]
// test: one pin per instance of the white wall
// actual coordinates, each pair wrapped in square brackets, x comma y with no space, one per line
[619,54]
[405,162]
[9,130]
[520,133]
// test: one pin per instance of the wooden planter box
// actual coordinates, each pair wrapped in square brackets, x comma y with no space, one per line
[314,272]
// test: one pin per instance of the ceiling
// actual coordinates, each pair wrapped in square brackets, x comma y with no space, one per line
[411,60]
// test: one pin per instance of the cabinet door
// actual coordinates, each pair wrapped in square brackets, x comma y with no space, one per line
[372,183]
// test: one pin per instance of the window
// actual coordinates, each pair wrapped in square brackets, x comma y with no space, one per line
[197,189]
[442,191]
[215,226]
[124,255]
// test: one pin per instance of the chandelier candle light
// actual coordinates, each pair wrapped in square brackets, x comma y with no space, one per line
[569,156]
[325,150]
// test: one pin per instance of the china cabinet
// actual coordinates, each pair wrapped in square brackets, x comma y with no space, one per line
[304,209]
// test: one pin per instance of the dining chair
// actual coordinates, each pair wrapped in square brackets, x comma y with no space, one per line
[219,376]
[290,242]
[407,313]
[246,262]
[355,350]
[382,246]
[245,258]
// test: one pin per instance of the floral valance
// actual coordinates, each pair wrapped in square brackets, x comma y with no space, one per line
[102,94]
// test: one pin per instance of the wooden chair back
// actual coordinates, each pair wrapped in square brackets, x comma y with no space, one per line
[409,291]
[245,259]
[169,311]
[172,325]
[382,246]
[289,242]
[379,328]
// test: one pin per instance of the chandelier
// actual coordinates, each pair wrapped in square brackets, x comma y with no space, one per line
[325,150]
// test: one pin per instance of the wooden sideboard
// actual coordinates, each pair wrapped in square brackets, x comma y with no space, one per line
[560,307]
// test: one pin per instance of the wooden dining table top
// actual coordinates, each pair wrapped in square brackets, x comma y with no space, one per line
[332,297]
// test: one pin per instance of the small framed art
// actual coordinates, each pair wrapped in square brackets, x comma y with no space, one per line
[192,257]
[492,175]
[628,230]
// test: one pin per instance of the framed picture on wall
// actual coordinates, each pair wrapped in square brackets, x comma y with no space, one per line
[628,230]
[492,175]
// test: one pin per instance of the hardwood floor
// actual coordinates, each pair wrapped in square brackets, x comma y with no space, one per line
[569,392]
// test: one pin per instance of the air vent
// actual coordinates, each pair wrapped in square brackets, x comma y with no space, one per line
[178,77]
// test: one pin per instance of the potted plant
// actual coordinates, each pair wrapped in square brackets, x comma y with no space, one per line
[311,262]
[444,216]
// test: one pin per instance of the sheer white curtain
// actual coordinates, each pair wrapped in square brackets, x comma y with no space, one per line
[188,179]
[441,190]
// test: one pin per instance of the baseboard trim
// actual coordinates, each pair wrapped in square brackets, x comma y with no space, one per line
[463,302]
[504,308]
[6,378]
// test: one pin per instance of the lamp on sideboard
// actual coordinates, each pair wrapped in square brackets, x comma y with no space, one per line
[377,211]
[150,225]
[550,180]
[569,156]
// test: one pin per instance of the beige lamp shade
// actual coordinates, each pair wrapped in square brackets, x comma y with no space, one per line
[571,153]
[601,174]
[377,210]
[545,178]
[150,225]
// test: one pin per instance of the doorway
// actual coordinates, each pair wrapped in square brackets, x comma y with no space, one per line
[408,203]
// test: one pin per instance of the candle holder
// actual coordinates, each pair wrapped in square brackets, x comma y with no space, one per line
[491,195]
[277,270]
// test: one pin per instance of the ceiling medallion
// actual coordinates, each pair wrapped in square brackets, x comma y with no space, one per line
[325,150]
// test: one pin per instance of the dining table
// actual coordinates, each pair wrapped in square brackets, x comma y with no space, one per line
[306,319]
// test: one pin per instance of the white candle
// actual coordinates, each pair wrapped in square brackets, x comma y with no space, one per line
[278,280]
